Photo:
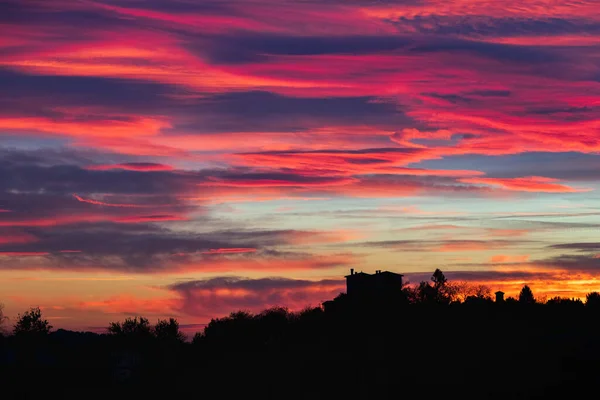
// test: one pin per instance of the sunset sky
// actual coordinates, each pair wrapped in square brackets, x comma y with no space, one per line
[190,158]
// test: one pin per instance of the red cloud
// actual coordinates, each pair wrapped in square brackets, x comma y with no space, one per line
[130,304]
[94,127]
[220,296]
[329,162]
[101,203]
[19,238]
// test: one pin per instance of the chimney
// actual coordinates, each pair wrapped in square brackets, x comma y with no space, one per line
[499,296]
[351,271]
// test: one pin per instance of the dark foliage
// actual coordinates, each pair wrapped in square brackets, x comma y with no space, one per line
[438,340]
[31,323]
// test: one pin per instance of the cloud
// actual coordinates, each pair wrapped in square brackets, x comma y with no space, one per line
[23,253]
[502,258]
[132,167]
[101,203]
[451,245]
[582,246]
[128,129]
[234,250]
[526,184]
[220,296]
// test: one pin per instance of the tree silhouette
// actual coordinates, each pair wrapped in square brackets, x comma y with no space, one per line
[526,296]
[31,323]
[438,278]
[592,299]
[438,293]
[3,318]
[168,331]
[131,328]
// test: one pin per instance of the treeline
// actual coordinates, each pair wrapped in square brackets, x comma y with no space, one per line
[433,339]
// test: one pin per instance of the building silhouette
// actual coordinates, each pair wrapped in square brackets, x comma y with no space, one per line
[499,296]
[381,284]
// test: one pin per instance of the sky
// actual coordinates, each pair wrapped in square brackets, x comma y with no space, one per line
[190,158]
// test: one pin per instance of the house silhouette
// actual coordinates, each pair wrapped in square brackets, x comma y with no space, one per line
[381,284]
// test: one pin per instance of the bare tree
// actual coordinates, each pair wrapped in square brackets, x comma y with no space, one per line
[462,290]
[3,319]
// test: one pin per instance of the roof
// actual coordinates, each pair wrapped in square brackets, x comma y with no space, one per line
[379,273]
[390,273]
[499,292]
[358,273]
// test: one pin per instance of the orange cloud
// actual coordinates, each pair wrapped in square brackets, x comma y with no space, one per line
[126,304]
[500,258]
[470,245]
[23,253]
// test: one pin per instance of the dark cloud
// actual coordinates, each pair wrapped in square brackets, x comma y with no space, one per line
[44,172]
[452,98]
[569,166]
[583,246]
[489,93]
[76,23]
[28,95]
[251,284]
[216,7]
[252,47]
[40,95]
[517,54]
[483,275]
[269,112]
[574,263]
[490,26]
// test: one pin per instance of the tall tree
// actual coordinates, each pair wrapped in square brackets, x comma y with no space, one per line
[31,323]
[526,296]
[592,299]
[168,331]
[439,279]
[138,327]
